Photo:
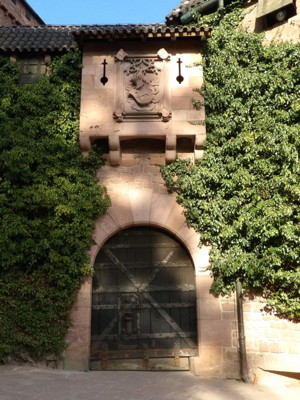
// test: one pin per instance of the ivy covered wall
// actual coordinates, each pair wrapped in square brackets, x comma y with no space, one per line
[244,196]
[49,200]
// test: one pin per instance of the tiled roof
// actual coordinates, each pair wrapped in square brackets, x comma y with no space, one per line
[185,5]
[36,38]
[63,38]
[139,31]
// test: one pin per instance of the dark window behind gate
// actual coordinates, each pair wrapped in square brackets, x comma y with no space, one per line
[144,311]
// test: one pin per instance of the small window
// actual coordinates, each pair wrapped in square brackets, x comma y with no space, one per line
[270,12]
[14,1]
[31,70]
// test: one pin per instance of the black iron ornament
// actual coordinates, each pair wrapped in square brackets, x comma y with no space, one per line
[179,78]
[104,78]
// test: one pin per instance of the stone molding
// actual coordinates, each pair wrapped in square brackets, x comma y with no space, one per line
[144,207]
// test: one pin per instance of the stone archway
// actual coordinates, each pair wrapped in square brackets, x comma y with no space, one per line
[135,208]
[143,303]
[147,207]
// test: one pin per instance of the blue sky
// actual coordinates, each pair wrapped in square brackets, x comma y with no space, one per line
[77,12]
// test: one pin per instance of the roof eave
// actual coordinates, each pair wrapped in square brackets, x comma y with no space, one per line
[171,32]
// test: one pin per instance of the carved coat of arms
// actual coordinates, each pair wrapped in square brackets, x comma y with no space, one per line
[142,91]
[142,85]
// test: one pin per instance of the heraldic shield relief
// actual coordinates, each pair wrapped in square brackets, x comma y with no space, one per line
[142,87]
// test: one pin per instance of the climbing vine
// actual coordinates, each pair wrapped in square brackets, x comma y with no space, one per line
[244,196]
[49,199]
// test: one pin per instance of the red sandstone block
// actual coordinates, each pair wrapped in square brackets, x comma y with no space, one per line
[89,94]
[140,203]
[203,285]
[88,69]
[157,161]
[185,92]
[121,209]
[234,332]
[231,370]
[228,306]
[108,173]
[252,345]
[193,115]
[156,187]
[87,82]
[180,115]
[127,163]
[264,347]
[76,358]
[181,103]
[142,178]
[158,179]
[154,170]
[84,298]
[127,178]
[176,219]
[231,355]
[79,335]
[209,309]
[209,362]
[87,60]
[215,333]
[105,226]
[229,315]
[161,207]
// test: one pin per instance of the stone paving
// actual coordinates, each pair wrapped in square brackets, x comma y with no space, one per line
[26,383]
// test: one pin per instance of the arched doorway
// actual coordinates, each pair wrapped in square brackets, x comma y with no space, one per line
[144,303]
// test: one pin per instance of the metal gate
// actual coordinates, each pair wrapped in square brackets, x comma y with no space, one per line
[144,311]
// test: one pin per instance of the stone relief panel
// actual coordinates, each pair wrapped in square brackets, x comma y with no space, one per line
[142,85]
[142,89]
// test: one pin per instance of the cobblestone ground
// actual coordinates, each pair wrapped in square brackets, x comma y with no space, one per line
[26,383]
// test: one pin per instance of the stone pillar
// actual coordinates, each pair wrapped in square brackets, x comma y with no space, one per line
[214,332]
[77,354]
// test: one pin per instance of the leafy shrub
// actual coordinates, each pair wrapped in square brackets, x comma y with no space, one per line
[244,196]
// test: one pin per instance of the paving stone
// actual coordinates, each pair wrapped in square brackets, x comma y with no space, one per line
[27,383]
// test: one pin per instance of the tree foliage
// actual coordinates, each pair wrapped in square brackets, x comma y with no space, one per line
[243,197]
[49,199]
